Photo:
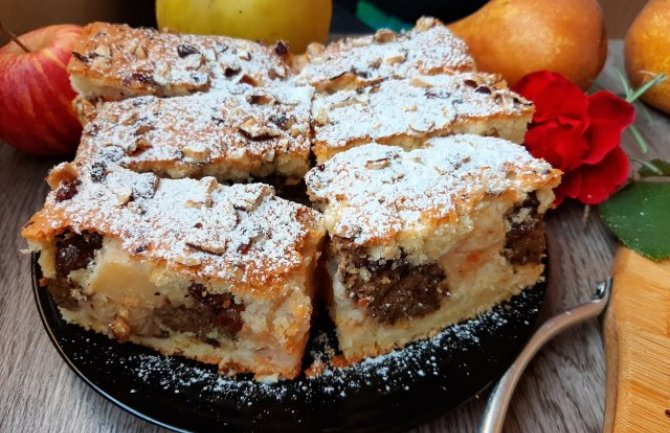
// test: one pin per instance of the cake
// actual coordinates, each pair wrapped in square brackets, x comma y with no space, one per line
[154,235]
[406,112]
[428,49]
[115,61]
[423,239]
[220,274]
[252,132]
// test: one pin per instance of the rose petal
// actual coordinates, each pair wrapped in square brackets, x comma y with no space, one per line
[553,95]
[610,116]
[593,184]
[606,105]
[563,146]
[603,137]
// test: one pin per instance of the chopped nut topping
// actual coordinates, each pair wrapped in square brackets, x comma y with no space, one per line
[64,172]
[144,128]
[139,146]
[123,195]
[377,164]
[210,247]
[102,51]
[321,117]
[260,99]
[185,50]
[244,55]
[418,82]
[255,131]
[248,79]
[209,183]
[140,53]
[385,35]
[196,152]
[396,59]
[187,259]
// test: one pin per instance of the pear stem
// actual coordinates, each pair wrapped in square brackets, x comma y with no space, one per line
[14,38]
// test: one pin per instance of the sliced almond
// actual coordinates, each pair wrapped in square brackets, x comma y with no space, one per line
[418,82]
[196,152]
[385,35]
[396,59]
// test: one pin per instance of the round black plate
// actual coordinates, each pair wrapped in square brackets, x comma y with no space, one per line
[386,394]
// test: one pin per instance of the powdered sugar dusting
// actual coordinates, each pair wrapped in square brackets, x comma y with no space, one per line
[429,48]
[220,131]
[239,233]
[417,107]
[374,191]
[146,61]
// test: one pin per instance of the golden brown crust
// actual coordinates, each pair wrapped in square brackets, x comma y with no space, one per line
[240,235]
[407,112]
[256,132]
[116,61]
[377,195]
[430,48]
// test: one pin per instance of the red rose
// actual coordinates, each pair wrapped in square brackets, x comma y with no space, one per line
[578,134]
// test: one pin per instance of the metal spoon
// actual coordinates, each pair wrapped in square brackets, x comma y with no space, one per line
[498,402]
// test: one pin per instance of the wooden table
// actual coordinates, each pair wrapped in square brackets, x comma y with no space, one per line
[562,391]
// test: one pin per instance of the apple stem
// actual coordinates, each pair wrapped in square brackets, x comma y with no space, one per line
[14,38]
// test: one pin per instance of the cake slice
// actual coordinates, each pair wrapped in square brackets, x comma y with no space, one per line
[220,274]
[423,239]
[429,48]
[249,133]
[407,112]
[114,61]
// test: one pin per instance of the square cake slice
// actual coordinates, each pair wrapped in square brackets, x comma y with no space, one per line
[423,239]
[233,136]
[429,48]
[220,274]
[407,112]
[114,61]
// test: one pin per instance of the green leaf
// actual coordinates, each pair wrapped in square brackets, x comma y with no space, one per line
[660,168]
[639,215]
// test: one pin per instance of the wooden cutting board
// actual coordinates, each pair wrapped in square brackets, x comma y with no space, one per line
[637,344]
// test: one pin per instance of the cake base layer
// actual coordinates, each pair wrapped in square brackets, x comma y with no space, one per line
[423,378]
[421,300]
[129,300]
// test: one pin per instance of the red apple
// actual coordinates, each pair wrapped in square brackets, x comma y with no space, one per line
[36,113]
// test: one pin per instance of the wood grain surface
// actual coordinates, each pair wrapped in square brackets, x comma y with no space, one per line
[562,391]
[637,346]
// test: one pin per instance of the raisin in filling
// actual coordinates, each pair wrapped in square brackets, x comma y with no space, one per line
[211,312]
[390,290]
[62,293]
[525,242]
[74,251]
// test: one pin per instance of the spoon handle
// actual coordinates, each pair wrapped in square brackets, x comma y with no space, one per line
[498,402]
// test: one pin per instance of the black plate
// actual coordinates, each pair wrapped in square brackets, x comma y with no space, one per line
[385,394]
